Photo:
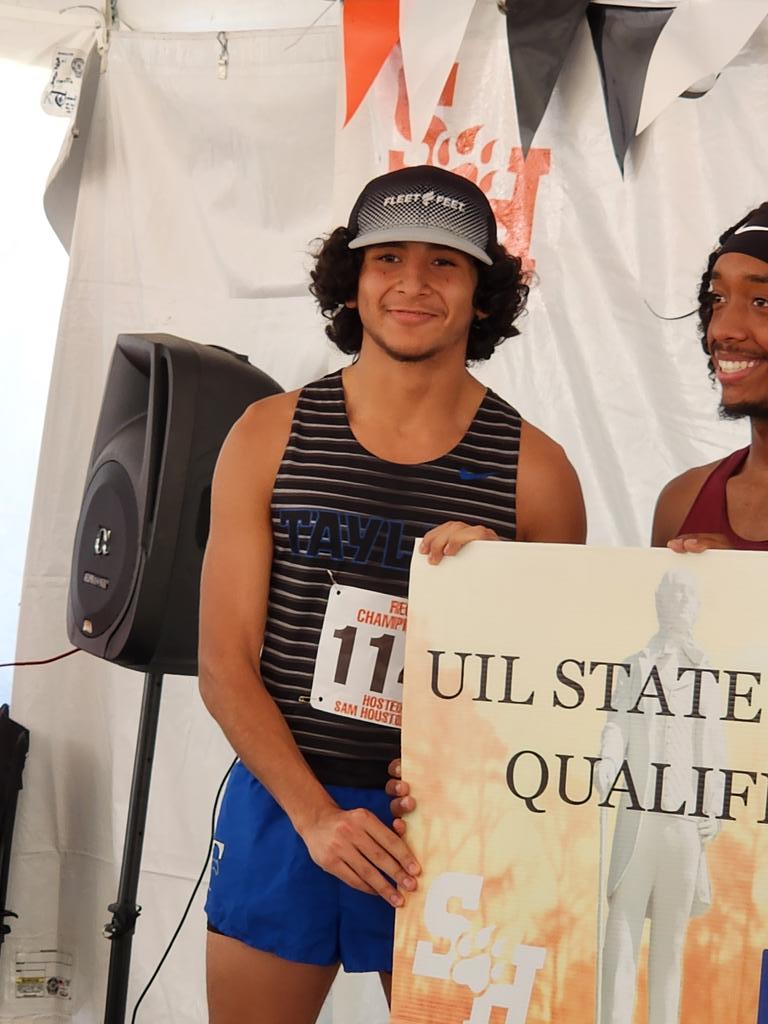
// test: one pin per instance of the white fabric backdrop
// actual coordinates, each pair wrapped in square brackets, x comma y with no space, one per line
[198,199]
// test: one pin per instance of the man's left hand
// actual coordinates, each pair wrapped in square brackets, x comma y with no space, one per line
[449,538]
[695,543]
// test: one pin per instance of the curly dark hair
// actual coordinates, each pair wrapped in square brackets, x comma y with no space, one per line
[705,285]
[501,293]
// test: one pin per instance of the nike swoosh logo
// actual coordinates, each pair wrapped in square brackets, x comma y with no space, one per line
[468,474]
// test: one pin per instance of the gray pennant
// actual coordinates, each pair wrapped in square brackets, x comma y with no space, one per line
[539,37]
[624,39]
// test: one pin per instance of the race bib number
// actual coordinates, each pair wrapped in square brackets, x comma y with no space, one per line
[359,666]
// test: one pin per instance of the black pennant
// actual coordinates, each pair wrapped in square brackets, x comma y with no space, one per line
[539,37]
[624,39]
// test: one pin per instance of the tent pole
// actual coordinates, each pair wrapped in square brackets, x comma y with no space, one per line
[125,911]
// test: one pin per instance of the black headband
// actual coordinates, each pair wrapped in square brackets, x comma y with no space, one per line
[751,239]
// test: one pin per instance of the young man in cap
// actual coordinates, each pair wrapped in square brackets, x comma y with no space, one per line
[318,498]
[725,503]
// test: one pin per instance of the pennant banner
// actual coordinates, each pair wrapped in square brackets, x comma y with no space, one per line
[699,40]
[431,32]
[624,40]
[370,31]
[585,736]
[638,3]
[539,37]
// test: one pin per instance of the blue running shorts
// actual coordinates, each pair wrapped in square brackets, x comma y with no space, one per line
[267,891]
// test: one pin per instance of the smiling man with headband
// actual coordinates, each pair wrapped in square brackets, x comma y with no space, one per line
[318,498]
[725,503]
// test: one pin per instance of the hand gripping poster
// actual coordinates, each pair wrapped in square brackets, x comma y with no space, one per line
[586,736]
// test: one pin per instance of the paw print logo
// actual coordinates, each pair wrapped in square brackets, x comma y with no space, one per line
[508,178]
[464,153]
[474,956]
[478,962]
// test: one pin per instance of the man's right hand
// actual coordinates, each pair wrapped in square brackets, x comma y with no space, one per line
[360,850]
[698,542]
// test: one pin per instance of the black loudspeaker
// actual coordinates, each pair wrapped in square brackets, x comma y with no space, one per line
[135,584]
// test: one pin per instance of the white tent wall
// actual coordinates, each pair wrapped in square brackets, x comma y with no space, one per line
[197,202]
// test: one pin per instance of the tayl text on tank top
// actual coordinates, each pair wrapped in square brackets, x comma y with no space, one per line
[347,536]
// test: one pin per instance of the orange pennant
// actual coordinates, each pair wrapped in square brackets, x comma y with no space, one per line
[371,29]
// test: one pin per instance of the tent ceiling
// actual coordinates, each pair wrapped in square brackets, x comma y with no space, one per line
[31,30]
[24,8]
[230,15]
[32,35]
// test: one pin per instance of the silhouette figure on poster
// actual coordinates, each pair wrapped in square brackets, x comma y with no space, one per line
[658,866]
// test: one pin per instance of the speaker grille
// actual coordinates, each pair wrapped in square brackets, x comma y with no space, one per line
[107,550]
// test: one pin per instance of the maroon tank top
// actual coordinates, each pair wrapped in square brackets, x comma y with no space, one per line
[709,512]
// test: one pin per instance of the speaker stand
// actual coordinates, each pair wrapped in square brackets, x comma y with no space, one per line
[125,911]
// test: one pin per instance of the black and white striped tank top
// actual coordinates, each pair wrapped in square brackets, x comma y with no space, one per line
[338,508]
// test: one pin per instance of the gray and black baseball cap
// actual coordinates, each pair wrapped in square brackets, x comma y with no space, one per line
[424,204]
